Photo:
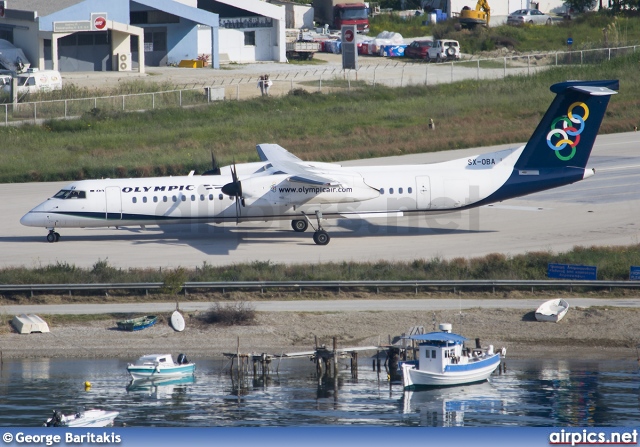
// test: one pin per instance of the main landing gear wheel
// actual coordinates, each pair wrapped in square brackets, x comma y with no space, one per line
[53,236]
[299,225]
[321,237]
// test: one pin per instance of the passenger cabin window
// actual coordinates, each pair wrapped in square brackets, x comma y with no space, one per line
[399,190]
[390,190]
[70,194]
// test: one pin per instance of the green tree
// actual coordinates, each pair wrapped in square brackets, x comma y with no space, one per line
[580,5]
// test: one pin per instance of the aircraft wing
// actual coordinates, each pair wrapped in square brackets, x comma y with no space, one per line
[299,171]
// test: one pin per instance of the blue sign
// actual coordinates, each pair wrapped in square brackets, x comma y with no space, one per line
[569,40]
[572,271]
[634,273]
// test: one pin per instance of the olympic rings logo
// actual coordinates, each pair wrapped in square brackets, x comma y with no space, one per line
[568,129]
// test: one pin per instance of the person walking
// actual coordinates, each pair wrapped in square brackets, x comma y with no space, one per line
[264,83]
[267,84]
[261,84]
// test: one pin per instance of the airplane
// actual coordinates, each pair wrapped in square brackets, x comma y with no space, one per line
[281,186]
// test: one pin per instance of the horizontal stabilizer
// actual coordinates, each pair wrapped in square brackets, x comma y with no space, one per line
[594,91]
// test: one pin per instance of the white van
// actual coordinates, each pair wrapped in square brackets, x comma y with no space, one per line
[35,80]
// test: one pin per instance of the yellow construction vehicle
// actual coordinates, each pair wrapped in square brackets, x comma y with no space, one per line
[479,16]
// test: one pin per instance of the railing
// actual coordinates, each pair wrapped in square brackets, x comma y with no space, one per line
[391,72]
[416,286]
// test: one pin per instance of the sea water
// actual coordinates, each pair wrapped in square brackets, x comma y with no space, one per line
[528,393]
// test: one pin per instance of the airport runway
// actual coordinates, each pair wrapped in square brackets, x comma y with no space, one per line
[602,210]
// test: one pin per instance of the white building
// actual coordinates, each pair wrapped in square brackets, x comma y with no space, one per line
[98,35]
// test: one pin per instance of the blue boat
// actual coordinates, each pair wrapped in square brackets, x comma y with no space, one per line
[443,361]
[137,324]
[155,366]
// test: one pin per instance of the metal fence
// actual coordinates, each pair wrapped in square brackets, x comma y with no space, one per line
[372,72]
[255,286]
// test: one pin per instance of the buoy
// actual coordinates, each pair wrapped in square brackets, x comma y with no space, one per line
[87,386]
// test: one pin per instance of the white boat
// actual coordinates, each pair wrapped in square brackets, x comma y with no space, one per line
[161,365]
[177,321]
[83,418]
[444,361]
[552,310]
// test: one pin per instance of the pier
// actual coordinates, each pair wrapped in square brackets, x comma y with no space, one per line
[326,359]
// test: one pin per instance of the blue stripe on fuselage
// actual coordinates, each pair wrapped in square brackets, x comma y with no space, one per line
[518,185]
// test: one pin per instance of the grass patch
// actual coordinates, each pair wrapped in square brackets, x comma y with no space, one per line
[382,122]
[613,264]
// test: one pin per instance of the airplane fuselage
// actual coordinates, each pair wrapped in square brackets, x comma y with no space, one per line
[284,187]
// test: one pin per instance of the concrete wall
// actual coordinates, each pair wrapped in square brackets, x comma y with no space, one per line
[120,43]
[27,40]
[233,49]
[182,41]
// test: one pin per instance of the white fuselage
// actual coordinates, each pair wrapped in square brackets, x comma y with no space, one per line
[363,191]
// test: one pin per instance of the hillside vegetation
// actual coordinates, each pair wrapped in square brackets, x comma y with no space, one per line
[590,30]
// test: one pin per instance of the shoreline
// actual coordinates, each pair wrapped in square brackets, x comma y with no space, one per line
[584,333]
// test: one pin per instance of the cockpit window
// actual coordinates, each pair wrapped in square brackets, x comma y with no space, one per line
[70,194]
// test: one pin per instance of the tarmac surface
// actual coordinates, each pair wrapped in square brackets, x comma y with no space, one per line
[602,210]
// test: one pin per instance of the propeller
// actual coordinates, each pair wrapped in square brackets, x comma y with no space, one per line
[215,168]
[234,189]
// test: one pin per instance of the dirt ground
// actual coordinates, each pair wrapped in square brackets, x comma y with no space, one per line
[593,333]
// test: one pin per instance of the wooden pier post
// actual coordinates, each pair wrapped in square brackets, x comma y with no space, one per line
[335,357]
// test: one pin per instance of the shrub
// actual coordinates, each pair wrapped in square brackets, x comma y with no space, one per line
[230,314]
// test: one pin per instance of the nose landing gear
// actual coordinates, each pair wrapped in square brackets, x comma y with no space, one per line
[320,237]
[53,236]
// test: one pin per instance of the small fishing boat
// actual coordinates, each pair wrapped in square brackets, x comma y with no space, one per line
[82,418]
[161,365]
[137,324]
[552,310]
[443,360]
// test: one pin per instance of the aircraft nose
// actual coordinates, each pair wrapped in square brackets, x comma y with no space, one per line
[37,217]
[29,219]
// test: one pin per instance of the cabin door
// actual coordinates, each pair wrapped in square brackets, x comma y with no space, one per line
[423,192]
[113,203]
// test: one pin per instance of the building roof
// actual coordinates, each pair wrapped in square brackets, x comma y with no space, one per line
[262,8]
[172,7]
[42,7]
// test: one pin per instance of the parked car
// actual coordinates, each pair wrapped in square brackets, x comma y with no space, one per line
[530,16]
[418,49]
[444,49]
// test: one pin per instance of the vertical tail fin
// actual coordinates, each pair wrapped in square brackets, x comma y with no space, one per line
[565,136]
